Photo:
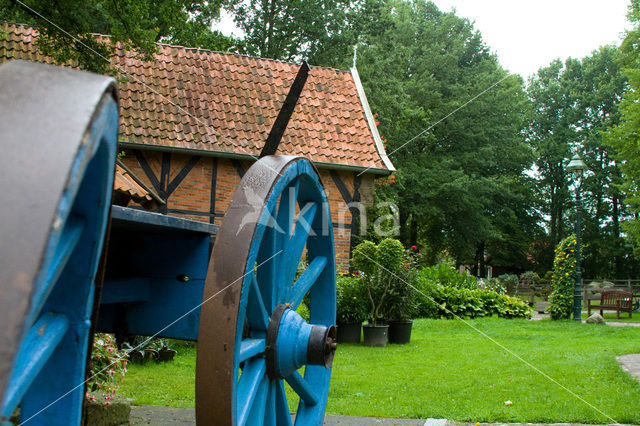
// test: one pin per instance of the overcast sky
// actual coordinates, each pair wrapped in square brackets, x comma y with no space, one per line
[528,35]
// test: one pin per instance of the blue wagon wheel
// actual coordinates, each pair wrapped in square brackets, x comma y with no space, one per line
[250,336]
[58,132]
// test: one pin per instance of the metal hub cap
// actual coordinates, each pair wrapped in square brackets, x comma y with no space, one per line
[292,343]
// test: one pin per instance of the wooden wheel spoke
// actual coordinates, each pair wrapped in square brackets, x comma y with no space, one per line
[66,245]
[41,340]
[248,386]
[250,348]
[302,388]
[257,413]
[295,246]
[283,415]
[270,412]
[306,280]
[287,208]
[256,309]
[267,273]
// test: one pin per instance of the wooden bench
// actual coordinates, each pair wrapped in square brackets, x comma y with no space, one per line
[618,300]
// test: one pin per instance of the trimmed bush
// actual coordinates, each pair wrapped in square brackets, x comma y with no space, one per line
[351,300]
[563,279]
[446,275]
[447,302]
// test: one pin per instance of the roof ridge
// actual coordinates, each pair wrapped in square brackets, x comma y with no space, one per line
[197,49]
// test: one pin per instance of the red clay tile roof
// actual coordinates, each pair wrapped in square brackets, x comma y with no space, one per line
[226,104]
[133,188]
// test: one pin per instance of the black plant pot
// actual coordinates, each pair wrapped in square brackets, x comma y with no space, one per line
[375,335]
[400,331]
[136,356]
[165,355]
[349,333]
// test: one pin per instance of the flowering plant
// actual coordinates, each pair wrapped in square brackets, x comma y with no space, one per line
[563,279]
[108,367]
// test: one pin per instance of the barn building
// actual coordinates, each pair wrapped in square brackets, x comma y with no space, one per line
[192,121]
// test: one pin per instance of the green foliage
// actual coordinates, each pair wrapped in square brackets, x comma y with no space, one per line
[351,300]
[492,284]
[448,276]
[381,270]
[573,104]
[448,302]
[320,31]
[625,137]
[530,279]
[138,24]
[509,281]
[461,183]
[108,366]
[564,278]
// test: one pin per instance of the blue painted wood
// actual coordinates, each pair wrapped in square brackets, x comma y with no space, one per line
[250,348]
[65,284]
[302,388]
[306,280]
[42,339]
[148,259]
[249,385]
[126,290]
[276,250]
[144,220]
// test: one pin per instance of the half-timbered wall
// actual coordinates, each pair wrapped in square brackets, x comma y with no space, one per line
[200,188]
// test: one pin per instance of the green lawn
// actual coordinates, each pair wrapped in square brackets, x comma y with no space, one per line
[451,371]
[611,316]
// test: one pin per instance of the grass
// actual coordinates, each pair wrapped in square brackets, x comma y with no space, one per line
[451,371]
[611,316]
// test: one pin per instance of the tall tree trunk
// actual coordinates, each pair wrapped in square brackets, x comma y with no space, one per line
[405,231]
[413,236]
[618,261]
[480,266]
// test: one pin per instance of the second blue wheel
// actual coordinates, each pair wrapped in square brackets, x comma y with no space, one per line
[251,339]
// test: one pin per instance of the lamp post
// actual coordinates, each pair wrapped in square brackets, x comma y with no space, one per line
[577,167]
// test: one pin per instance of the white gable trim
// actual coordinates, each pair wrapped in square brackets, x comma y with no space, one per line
[371,120]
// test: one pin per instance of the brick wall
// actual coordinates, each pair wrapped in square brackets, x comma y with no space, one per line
[185,182]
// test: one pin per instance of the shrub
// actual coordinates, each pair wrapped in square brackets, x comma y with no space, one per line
[563,279]
[108,366]
[438,301]
[446,275]
[351,300]
[380,267]
[530,279]
[509,281]
[492,284]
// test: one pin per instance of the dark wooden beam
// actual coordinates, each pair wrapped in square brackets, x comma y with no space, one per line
[280,125]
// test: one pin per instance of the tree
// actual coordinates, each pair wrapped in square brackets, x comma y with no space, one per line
[461,183]
[573,104]
[320,31]
[625,136]
[138,24]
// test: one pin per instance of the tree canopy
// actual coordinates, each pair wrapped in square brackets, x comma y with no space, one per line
[138,24]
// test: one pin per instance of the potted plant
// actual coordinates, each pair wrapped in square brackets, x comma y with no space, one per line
[165,353]
[351,308]
[402,303]
[379,266]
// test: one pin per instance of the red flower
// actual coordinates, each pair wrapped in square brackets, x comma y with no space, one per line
[407,266]
[355,272]
[414,248]
[419,255]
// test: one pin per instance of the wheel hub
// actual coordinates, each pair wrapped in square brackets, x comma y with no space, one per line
[292,342]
